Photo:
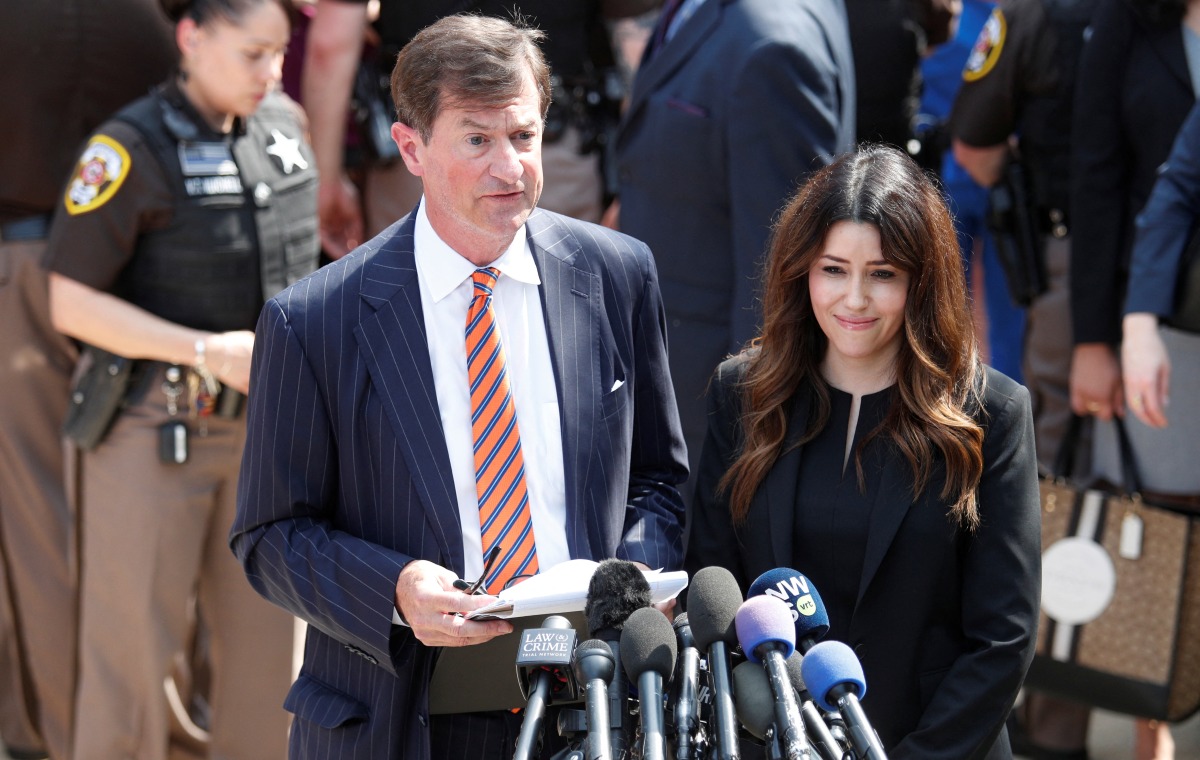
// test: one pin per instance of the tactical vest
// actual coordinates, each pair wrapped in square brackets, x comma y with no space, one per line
[1045,127]
[244,221]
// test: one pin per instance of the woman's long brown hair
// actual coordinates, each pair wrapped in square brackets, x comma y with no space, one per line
[937,371]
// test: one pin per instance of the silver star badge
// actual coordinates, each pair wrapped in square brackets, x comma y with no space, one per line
[287,150]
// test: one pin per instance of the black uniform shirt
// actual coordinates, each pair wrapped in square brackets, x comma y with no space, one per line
[1012,61]
[117,192]
[67,67]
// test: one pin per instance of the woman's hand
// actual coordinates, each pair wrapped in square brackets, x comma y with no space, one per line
[228,357]
[1146,368]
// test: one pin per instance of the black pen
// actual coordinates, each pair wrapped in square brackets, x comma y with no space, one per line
[476,588]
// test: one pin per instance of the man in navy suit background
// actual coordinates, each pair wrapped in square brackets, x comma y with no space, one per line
[358,504]
[734,104]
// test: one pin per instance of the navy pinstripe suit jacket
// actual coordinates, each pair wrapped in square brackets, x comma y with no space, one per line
[346,475]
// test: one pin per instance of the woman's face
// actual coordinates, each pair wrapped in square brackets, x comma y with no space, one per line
[231,67]
[858,298]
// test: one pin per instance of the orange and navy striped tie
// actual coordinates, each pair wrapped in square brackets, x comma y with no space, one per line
[504,516]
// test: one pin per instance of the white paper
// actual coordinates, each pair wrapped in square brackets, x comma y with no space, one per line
[564,587]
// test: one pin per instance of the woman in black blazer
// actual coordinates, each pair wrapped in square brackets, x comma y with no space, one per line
[861,441]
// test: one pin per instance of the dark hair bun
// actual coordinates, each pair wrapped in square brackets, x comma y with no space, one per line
[176,9]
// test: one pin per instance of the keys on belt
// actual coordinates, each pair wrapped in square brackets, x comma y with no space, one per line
[205,397]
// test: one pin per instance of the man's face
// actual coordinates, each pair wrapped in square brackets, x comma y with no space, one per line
[482,171]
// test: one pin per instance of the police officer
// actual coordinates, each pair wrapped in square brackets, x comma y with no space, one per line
[1019,79]
[67,67]
[184,212]
[586,98]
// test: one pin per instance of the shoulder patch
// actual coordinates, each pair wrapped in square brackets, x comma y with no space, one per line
[986,50]
[102,169]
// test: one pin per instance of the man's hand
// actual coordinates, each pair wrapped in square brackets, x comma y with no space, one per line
[1146,369]
[433,608]
[1096,381]
[666,607]
[340,216]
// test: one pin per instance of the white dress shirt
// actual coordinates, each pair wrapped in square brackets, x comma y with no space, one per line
[446,290]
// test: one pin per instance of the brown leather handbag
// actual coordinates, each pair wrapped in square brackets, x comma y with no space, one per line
[1120,623]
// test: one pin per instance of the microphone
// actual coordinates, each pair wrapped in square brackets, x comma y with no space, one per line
[713,599]
[594,668]
[753,700]
[756,708]
[686,691]
[807,610]
[543,670]
[765,631]
[811,620]
[616,590]
[835,678]
[648,649]
[820,736]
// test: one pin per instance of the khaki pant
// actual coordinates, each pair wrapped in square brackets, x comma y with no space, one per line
[1047,359]
[37,604]
[155,541]
[571,186]
[1052,722]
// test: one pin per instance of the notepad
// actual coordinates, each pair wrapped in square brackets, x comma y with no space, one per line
[564,588]
[484,676]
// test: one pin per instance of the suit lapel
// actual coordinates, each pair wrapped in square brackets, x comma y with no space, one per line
[667,60]
[393,344]
[570,299]
[892,502]
[780,485]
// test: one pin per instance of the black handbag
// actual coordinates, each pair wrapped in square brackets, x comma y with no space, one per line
[97,396]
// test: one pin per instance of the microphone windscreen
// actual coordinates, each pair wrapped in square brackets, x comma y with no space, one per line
[808,611]
[829,664]
[683,631]
[713,601]
[647,644]
[593,659]
[752,698]
[761,620]
[616,589]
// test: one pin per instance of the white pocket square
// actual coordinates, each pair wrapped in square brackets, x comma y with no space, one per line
[616,384]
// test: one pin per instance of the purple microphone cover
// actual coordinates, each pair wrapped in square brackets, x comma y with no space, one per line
[808,611]
[763,619]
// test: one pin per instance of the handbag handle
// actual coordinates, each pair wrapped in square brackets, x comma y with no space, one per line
[1064,460]
[1132,481]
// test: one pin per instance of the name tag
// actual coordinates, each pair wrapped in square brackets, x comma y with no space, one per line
[199,159]
[213,186]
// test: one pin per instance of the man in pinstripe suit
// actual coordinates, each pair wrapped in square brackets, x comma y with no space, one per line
[357,503]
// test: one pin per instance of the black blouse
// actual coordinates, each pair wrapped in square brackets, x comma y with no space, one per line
[832,512]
